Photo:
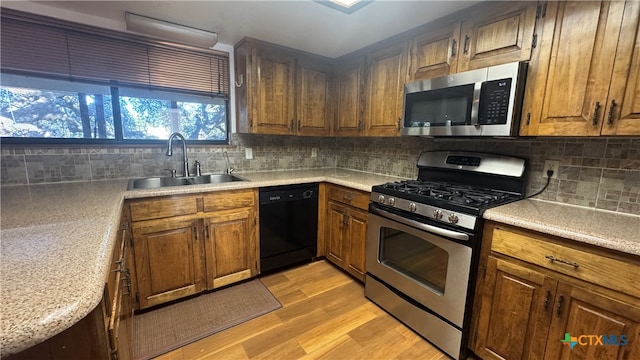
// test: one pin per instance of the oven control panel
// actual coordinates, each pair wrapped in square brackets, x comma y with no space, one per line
[446,216]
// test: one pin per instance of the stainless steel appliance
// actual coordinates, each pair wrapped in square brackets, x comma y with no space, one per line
[424,235]
[482,102]
[288,225]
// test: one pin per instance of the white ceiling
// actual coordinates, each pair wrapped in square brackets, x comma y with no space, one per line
[300,24]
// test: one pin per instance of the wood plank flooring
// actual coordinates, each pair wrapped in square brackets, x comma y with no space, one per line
[324,316]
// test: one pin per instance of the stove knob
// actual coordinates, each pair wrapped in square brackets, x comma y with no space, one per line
[412,207]
[453,218]
[437,213]
[391,201]
[381,199]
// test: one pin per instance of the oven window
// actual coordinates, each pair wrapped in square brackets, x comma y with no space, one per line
[414,257]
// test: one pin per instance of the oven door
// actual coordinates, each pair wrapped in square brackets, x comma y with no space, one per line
[421,261]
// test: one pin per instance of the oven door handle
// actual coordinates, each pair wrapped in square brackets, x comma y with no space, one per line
[426,227]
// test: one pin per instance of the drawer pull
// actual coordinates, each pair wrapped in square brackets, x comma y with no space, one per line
[546,299]
[347,198]
[560,301]
[561,261]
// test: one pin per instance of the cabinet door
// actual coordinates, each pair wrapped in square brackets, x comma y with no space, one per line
[350,80]
[515,311]
[435,53]
[313,111]
[623,106]
[585,314]
[273,96]
[355,239]
[570,74]
[387,74]
[500,34]
[336,222]
[169,261]
[231,247]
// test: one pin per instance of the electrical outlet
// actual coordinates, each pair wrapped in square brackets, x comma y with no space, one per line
[248,153]
[314,152]
[551,165]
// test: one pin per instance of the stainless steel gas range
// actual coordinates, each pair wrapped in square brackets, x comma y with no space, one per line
[423,240]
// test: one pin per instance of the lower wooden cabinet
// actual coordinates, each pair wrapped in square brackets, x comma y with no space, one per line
[346,226]
[192,243]
[533,310]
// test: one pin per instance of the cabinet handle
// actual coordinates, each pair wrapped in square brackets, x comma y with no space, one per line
[547,297]
[562,261]
[466,44]
[559,309]
[596,111]
[206,231]
[291,125]
[453,47]
[528,120]
[345,220]
[399,122]
[611,112]
[195,232]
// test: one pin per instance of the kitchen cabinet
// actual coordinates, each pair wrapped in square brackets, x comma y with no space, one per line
[346,227]
[105,333]
[350,84]
[184,245]
[584,75]
[281,91]
[491,35]
[231,241]
[528,300]
[387,73]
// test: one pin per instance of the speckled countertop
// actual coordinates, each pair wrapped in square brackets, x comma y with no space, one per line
[602,228]
[57,241]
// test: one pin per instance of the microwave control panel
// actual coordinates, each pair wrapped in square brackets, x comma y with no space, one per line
[494,104]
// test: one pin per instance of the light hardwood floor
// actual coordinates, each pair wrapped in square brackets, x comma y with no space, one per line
[324,316]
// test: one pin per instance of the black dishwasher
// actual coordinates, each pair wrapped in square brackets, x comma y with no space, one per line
[288,225]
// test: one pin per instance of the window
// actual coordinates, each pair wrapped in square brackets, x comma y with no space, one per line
[99,86]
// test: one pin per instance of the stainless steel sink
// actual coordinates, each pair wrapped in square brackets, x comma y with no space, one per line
[160,182]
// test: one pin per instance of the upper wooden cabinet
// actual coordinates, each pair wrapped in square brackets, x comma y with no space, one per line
[494,34]
[280,91]
[584,76]
[349,87]
[387,73]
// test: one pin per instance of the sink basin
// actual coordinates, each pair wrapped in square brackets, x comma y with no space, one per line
[160,182]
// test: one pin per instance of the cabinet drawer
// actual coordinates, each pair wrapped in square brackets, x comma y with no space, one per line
[609,272]
[354,198]
[229,200]
[162,208]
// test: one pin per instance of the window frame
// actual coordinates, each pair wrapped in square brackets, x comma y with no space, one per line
[119,139]
[165,65]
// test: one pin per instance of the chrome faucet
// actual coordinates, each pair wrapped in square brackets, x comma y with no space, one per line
[185,165]
[229,169]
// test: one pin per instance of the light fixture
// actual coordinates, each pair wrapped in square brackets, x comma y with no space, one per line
[345,6]
[170,31]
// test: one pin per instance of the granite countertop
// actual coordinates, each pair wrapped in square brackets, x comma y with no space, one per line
[57,241]
[602,228]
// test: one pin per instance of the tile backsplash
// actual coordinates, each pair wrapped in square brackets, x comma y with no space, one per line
[600,173]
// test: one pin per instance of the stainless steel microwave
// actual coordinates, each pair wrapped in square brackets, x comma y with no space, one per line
[482,102]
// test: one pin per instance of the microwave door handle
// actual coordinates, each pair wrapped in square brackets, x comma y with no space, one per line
[475,105]
[426,227]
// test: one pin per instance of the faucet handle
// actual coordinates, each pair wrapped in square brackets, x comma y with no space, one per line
[172,171]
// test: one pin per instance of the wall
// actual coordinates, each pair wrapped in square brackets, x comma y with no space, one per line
[597,173]
[21,165]
[601,173]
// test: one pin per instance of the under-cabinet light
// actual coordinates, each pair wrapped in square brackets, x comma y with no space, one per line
[170,31]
